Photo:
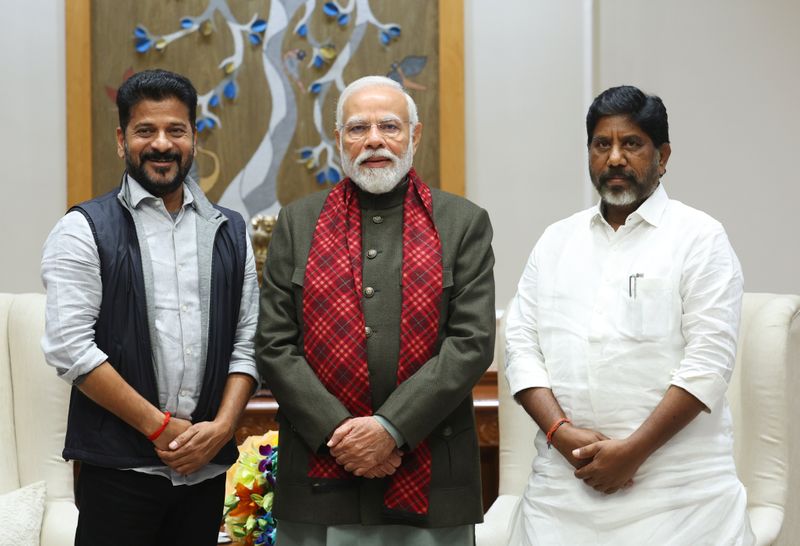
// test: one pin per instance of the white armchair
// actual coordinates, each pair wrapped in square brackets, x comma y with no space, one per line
[33,417]
[764,403]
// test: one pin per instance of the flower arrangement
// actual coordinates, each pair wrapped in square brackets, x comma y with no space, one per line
[250,490]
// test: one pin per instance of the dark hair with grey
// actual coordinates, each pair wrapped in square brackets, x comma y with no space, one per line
[646,111]
[155,85]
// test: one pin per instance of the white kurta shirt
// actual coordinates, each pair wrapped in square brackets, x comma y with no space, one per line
[609,320]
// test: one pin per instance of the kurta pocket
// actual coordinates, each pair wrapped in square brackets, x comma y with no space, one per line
[649,309]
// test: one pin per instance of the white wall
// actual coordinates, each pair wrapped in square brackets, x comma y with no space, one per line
[33,153]
[729,74]
[524,94]
[726,69]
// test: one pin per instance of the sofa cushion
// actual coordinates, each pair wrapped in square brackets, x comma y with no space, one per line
[21,515]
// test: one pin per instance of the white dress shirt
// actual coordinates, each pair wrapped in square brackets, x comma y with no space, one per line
[609,320]
[71,274]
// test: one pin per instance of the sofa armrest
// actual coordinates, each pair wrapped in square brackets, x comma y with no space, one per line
[59,523]
[495,529]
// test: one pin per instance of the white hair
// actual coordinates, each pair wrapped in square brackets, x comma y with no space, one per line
[374,81]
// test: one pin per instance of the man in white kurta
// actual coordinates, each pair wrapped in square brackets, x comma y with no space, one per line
[621,343]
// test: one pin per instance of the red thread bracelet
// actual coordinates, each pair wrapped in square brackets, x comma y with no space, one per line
[554,428]
[163,426]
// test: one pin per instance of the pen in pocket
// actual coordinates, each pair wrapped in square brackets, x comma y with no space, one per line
[632,284]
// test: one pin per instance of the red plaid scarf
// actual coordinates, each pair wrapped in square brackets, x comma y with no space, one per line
[335,341]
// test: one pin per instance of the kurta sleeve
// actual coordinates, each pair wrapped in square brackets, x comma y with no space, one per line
[525,367]
[303,399]
[420,403]
[711,291]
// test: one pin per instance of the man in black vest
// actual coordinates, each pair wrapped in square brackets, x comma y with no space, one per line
[151,310]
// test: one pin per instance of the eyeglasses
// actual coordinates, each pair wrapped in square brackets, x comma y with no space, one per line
[387,129]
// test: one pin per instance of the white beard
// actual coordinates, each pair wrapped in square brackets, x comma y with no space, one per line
[380,180]
[618,199]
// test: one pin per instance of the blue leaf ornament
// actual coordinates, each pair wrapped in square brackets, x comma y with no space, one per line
[230,90]
[330,9]
[143,44]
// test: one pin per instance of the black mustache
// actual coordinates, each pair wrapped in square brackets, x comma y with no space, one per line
[609,174]
[151,156]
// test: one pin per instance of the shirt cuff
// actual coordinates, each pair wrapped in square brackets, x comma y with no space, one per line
[391,429]
[77,373]
[526,373]
[245,367]
[709,388]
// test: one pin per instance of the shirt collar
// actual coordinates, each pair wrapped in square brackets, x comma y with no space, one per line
[137,194]
[651,211]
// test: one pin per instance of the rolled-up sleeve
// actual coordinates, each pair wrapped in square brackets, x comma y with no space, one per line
[525,367]
[71,276]
[243,356]
[711,291]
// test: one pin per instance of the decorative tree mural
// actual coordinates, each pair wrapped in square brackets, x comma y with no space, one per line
[301,54]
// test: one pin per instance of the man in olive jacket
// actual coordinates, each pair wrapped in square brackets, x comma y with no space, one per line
[377,319]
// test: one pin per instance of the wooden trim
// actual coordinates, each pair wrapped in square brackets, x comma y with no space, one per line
[451,95]
[79,100]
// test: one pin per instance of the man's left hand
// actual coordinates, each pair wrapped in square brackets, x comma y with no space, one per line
[614,462]
[360,444]
[195,447]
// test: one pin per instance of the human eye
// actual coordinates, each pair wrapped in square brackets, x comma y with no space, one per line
[177,132]
[143,132]
[357,129]
[632,144]
[601,144]
[390,128]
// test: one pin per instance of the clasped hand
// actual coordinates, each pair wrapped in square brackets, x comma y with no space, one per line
[187,447]
[364,447]
[610,465]
[603,464]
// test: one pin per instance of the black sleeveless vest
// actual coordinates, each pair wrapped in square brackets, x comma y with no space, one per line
[97,436]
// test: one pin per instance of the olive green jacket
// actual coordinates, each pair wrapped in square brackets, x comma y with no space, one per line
[435,403]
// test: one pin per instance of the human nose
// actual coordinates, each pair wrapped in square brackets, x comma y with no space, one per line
[616,156]
[374,138]
[161,142]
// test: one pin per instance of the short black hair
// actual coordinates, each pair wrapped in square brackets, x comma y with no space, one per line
[646,111]
[156,85]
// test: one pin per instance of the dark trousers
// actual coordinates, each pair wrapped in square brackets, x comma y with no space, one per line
[129,508]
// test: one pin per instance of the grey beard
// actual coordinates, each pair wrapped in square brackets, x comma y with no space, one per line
[618,199]
[377,181]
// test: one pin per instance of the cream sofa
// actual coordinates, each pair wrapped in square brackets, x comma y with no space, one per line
[765,403]
[33,417]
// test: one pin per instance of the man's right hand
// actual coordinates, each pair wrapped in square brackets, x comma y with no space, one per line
[386,468]
[174,428]
[568,438]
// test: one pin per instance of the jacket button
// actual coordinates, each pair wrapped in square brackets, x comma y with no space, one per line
[377,219]
[367,331]
[447,431]
[371,253]
[369,291]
